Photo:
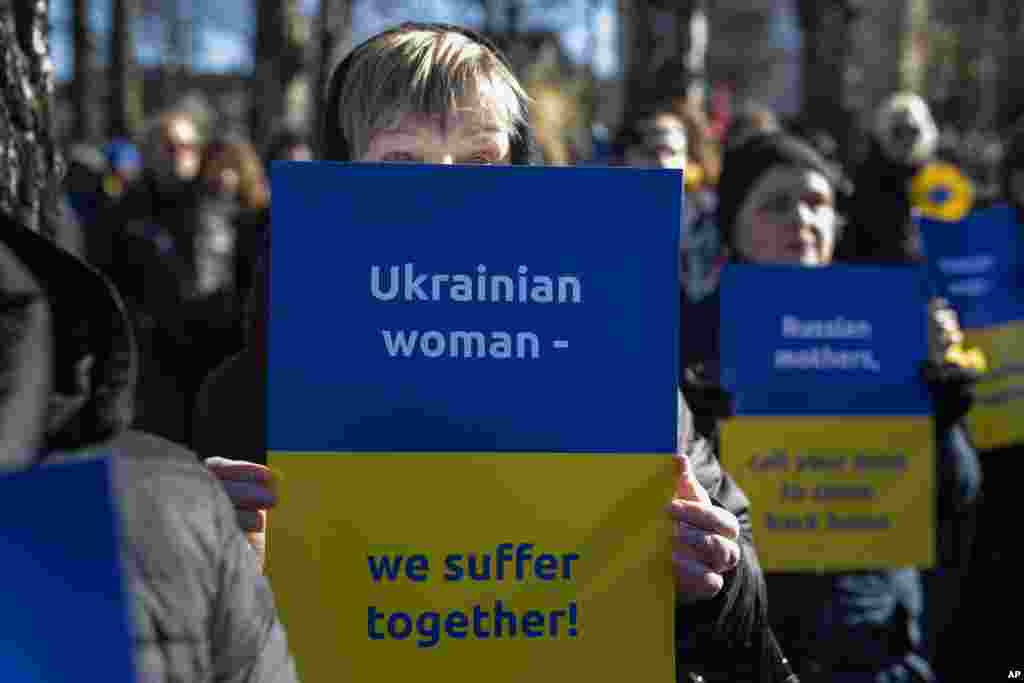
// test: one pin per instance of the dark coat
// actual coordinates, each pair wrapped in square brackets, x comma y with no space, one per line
[880,229]
[183,332]
[724,639]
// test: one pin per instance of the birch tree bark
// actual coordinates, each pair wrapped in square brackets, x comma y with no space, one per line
[32,165]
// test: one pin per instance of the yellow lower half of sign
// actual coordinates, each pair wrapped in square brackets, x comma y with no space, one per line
[997,417]
[836,493]
[468,567]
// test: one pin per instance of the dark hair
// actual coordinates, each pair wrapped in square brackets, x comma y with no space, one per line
[746,162]
[630,132]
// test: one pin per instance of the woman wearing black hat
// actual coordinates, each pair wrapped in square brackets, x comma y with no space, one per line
[777,199]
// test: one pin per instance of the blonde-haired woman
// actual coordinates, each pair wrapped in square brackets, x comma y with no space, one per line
[441,94]
[231,168]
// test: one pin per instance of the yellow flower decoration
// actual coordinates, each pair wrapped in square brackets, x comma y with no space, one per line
[940,191]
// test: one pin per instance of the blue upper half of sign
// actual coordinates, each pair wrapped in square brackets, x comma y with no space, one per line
[64,605]
[471,308]
[978,264]
[842,340]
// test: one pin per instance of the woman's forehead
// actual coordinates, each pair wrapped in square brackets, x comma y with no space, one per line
[794,178]
[464,121]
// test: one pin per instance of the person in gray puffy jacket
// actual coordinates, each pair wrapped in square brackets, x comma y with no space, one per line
[202,612]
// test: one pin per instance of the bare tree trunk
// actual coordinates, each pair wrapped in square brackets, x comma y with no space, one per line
[490,20]
[1013,92]
[171,73]
[86,125]
[125,106]
[992,56]
[30,174]
[280,55]
[827,51]
[335,41]
[590,10]
[657,48]
[514,12]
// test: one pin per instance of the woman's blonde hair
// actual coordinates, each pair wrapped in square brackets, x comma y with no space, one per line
[425,70]
[242,158]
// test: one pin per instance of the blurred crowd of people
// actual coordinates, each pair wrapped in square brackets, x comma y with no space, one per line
[765,192]
[180,224]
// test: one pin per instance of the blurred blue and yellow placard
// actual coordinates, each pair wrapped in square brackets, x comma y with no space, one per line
[977,263]
[471,402]
[66,611]
[832,439]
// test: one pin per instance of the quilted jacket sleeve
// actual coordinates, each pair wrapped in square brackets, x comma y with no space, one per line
[249,642]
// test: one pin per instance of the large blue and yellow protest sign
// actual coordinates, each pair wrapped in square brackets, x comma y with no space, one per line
[832,438]
[472,404]
[977,264]
[66,617]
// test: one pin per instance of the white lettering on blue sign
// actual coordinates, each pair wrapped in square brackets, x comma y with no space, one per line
[826,358]
[404,283]
[837,328]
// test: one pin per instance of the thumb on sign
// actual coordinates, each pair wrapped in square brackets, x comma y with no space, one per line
[705,543]
[687,486]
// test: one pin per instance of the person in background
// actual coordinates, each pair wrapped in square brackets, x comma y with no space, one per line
[438,82]
[657,136]
[233,178]
[83,192]
[200,609]
[903,141]
[751,119]
[777,205]
[231,224]
[703,169]
[882,231]
[95,191]
[124,164]
[151,234]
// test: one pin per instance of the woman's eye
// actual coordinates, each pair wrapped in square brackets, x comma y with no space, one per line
[480,158]
[402,157]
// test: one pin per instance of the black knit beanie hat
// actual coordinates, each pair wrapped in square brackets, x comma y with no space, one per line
[744,164]
[331,142]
